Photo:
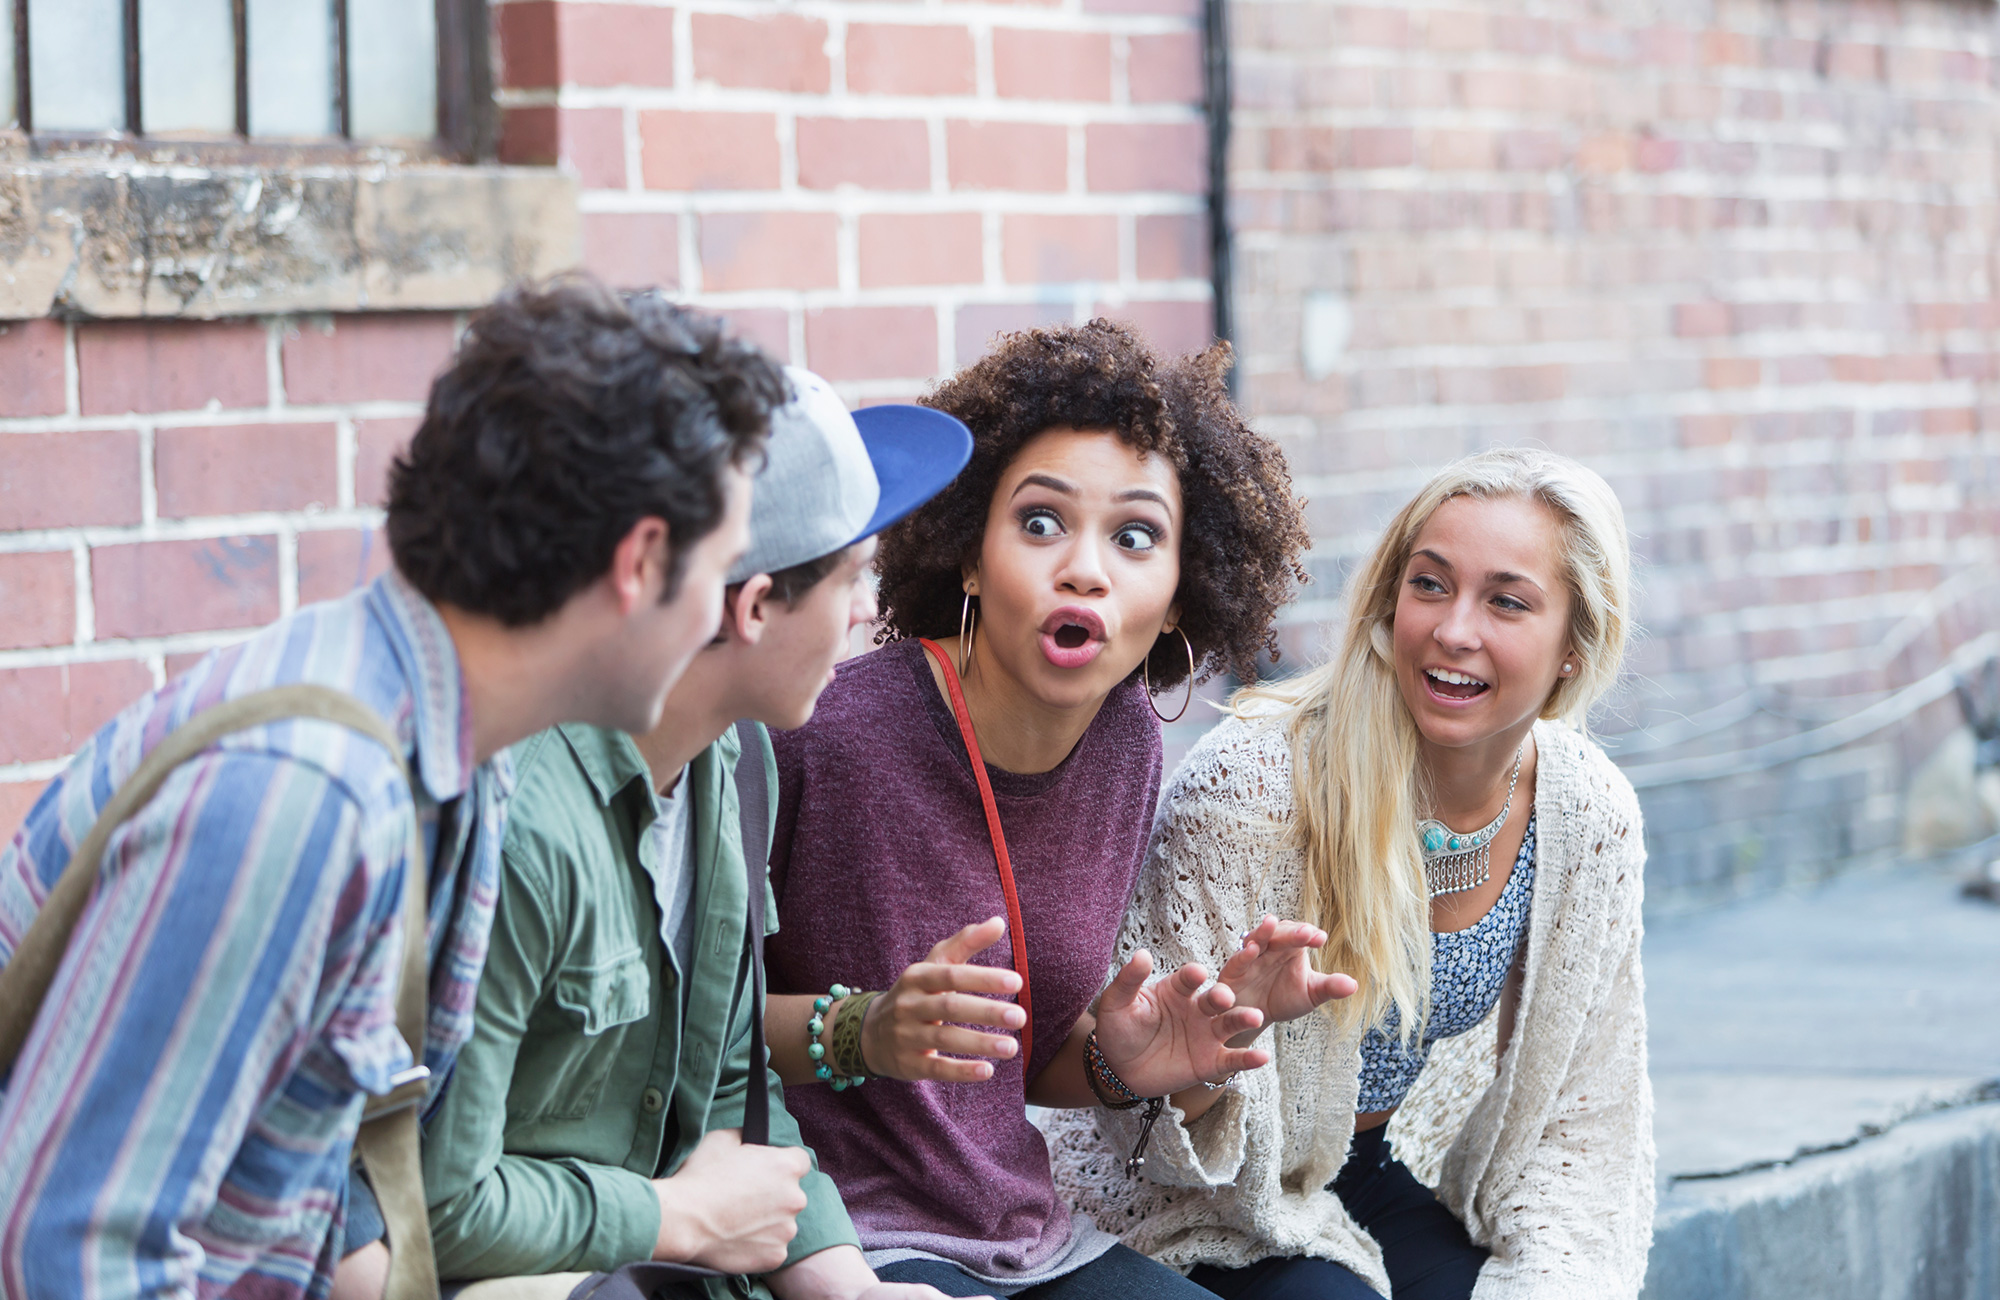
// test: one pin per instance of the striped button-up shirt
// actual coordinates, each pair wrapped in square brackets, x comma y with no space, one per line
[180,1120]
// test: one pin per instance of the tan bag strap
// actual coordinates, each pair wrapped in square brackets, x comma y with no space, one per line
[388,1137]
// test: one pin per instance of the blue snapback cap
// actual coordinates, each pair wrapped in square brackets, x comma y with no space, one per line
[916,452]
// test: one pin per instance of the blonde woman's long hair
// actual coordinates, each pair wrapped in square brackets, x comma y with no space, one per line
[1356,787]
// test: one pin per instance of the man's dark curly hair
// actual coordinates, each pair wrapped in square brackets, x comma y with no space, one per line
[1243,529]
[569,414]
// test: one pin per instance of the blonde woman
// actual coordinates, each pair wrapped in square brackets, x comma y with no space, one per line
[1429,798]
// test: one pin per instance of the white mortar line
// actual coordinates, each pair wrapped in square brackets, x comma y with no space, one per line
[795,335]
[635,172]
[713,98]
[684,46]
[1057,202]
[205,528]
[836,55]
[991,252]
[86,607]
[788,152]
[983,87]
[847,255]
[288,571]
[41,770]
[72,374]
[940,162]
[274,363]
[149,492]
[345,451]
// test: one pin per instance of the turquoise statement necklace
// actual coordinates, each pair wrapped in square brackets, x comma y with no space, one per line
[1454,863]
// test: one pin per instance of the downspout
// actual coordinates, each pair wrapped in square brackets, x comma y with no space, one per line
[1216,97]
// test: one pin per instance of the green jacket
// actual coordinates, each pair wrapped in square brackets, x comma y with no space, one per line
[583,1080]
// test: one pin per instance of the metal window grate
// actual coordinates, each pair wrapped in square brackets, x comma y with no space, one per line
[252,70]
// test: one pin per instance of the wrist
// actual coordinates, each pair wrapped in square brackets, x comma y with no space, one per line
[836,1273]
[1111,1091]
[674,1242]
[833,1037]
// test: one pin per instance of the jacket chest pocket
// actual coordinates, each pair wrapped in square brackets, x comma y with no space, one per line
[575,1040]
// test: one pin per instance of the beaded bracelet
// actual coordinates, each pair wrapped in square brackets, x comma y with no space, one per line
[1103,1078]
[822,1070]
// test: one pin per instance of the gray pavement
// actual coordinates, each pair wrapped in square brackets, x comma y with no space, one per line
[1825,1063]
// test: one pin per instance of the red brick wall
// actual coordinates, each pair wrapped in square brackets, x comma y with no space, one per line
[1739,257]
[165,487]
[874,190]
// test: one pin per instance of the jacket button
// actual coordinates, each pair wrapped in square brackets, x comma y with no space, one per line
[653,1100]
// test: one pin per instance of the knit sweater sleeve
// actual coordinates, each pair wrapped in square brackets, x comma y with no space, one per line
[1193,903]
[1578,1220]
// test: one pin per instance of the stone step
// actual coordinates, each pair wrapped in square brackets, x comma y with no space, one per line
[1910,1214]
[1826,1072]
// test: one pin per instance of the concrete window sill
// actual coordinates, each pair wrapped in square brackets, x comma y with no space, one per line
[112,237]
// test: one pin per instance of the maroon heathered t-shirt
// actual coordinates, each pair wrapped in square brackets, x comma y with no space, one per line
[881,850]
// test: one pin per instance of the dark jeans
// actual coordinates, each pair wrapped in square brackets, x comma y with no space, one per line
[1424,1247]
[1120,1273]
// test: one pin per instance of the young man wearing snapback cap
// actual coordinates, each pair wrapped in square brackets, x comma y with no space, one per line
[596,1119]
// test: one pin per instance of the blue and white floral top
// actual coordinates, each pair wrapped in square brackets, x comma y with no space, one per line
[1468,970]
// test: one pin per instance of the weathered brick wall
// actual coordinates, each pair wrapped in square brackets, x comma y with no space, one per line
[870,189]
[164,487]
[1737,256]
[874,189]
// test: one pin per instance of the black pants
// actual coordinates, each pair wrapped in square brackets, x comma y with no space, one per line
[1120,1273]
[1424,1247]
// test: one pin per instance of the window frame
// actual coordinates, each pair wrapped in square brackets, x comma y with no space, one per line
[465,110]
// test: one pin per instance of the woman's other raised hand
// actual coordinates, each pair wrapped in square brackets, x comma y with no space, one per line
[1173,1033]
[1273,972]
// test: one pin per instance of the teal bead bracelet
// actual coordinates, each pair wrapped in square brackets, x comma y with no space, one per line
[816,1050]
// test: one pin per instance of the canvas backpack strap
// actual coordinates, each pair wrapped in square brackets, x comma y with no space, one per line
[25,981]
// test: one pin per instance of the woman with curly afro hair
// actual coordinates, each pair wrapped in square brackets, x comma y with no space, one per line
[961,825]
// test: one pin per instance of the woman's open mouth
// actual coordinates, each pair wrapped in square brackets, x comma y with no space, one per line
[1454,687]
[1072,637]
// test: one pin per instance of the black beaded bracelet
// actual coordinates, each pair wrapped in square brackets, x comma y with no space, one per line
[1104,1082]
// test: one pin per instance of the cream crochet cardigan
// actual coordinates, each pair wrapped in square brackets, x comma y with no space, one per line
[1548,1158]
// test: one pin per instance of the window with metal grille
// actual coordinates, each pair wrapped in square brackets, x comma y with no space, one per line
[290,71]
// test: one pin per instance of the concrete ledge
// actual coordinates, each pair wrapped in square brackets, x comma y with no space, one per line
[1913,1214]
[111,237]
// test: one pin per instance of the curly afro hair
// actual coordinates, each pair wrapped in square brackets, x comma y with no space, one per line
[1244,529]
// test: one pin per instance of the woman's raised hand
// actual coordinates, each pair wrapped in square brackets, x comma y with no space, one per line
[927,1011]
[1274,972]
[1173,1033]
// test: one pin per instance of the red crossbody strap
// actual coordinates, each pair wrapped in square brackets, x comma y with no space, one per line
[1015,934]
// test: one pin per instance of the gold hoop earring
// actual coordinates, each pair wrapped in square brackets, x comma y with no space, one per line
[1145,675]
[965,633]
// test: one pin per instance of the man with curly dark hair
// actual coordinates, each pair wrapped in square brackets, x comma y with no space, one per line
[562,526]
[1119,530]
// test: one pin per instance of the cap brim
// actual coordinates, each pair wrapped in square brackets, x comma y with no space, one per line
[916,451]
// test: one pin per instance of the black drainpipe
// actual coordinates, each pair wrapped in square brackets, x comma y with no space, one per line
[1215,86]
